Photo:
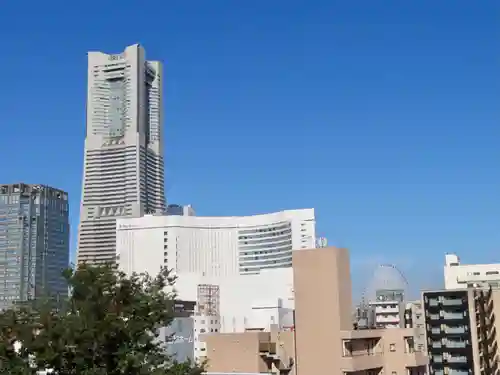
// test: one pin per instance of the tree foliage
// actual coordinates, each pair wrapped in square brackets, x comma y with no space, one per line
[108,326]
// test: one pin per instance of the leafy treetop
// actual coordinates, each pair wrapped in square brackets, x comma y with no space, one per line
[108,326]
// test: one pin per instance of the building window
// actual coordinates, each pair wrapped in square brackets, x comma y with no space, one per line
[392,347]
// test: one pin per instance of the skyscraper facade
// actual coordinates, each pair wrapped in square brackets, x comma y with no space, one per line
[123,162]
[34,242]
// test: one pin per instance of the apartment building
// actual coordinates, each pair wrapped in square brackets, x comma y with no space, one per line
[461,329]
[461,276]
[387,313]
[322,339]
[415,318]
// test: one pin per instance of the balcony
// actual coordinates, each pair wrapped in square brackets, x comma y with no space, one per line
[392,309]
[452,302]
[455,344]
[457,359]
[387,319]
[454,330]
[361,354]
[361,362]
[450,315]
[437,344]
[434,317]
[458,372]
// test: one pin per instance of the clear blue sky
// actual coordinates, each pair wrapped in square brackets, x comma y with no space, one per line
[382,115]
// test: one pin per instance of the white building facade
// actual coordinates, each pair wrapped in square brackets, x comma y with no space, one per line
[461,276]
[242,263]
[251,301]
[387,314]
[123,159]
[213,246]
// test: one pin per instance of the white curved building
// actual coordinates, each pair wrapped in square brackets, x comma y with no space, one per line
[213,246]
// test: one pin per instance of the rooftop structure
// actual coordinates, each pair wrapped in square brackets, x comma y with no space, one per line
[460,276]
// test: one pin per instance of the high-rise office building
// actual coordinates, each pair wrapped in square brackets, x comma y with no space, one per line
[34,242]
[123,171]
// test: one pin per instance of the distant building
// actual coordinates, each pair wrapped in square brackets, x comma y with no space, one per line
[213,246]
[34,242]
[179,335]
[460,276]
[177,210]
[387,313]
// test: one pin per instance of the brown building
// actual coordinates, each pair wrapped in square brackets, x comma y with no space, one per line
[324,341]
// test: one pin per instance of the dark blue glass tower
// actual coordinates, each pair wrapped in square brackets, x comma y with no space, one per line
[34,243]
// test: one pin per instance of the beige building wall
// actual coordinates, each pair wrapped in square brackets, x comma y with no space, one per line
[323,302]
[250,352]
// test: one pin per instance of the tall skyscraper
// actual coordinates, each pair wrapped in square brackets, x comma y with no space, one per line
[123,163]
[34,242]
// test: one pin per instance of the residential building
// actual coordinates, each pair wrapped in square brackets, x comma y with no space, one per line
[34,242]
[387,310]
[461,276]
[123,159]
[415,318]
[450,325]
[461,328]
[322,340]
[213,246]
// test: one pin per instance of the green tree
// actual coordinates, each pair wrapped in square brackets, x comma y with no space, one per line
[108,326]
[14,359]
